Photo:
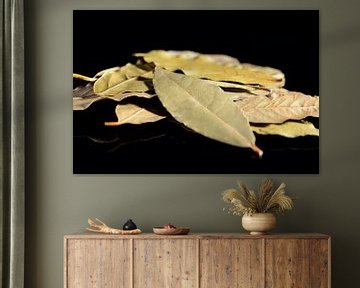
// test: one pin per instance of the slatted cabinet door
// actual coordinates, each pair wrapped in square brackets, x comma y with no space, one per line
[231,263]
[165,263]
[287,263]
[297,263]
[93,263]
[197,261]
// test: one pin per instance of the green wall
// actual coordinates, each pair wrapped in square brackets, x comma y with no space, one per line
[58,202]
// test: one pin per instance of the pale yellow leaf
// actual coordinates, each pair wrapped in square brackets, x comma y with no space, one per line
[83,97]
[218,58]
[85,78]
[282,105]
[290,129]
[204,108]
[251,90]
[133,114]
[108,80]
[120,79]
[81,103]
[200,66]
[99,74]
[129,85]
[131,70]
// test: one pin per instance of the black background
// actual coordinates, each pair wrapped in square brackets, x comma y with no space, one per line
[286,40]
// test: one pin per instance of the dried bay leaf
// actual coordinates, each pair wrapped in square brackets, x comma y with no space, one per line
[97,76]
[116,83]
[218,58]
[133,114]
[108,79]
[82,103]
[130,85]
[83,97]
[129,70]
[281,106]
[124,95]
[229,86]
[200,66]
[290,129]
[230,103]
[126,78]
[83,91]
[101,73]
[84,78]
[238,96]
[277,74]
[203,108]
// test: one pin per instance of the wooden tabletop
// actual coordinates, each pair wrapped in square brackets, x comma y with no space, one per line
[89,235]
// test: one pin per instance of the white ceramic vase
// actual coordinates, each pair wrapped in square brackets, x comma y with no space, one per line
[259,223]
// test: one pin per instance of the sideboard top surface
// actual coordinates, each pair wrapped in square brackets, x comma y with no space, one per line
[87,235]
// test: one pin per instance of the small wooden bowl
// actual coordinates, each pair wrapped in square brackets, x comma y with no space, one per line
[171,231]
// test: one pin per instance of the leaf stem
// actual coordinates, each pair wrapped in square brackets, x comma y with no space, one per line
[257,150]
[85,78]
[115,123]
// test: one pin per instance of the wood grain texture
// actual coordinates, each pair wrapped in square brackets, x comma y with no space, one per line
[319,263]
[231,263]
[89,235]
[204,260]
[166,263]
[287,263]
[98,264]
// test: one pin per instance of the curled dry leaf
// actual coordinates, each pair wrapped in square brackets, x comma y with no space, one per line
[82,103]
[115,75]
[130,85]
[124,79]
[99,74]
[241,88]
[83,91]
[220,59]
[115,83]
[217,58]
[200,66]
[281,106]
[83,97]
[108,80]
[84,78]
[204,108]
[133,114]
[290,129]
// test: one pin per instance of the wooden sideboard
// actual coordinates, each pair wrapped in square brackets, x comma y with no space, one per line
[197,260]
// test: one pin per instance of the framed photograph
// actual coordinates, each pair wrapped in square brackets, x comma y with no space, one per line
[150,88]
